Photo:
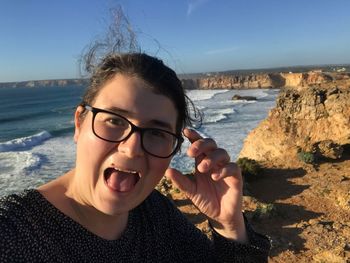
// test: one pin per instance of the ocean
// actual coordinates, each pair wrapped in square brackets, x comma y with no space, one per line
[36,129]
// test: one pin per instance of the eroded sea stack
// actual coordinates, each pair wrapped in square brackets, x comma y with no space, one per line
[311,115]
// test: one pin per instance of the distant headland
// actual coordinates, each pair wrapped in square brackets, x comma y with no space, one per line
[45,83]
[234,79]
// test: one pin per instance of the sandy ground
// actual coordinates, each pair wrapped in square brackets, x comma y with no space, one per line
[305,211]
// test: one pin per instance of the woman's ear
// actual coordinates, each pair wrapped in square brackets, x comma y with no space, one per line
[78,122]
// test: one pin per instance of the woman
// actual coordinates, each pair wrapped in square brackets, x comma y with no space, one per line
[127,128]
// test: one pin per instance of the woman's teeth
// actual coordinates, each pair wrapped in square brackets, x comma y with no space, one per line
[125,171]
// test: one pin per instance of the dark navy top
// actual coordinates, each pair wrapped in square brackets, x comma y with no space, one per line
[33,230]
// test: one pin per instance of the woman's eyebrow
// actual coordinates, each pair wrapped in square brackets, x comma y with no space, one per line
[161,124]
[119,111]
[128,114]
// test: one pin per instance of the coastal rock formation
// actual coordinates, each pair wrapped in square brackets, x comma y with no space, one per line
[265,81]
[306,79]
[45,83]
[239,97]
[309,119]
[329,149]
[223,81]
[255,81]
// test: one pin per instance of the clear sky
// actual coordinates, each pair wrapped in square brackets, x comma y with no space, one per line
[42,39]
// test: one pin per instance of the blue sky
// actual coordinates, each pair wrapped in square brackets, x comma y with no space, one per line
[41,39]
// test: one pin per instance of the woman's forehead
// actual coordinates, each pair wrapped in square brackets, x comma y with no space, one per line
[132,98]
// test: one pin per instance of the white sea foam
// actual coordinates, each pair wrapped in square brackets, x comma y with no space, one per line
[25,169]
[25,142]
[13,163]
[197,95]
[218,115]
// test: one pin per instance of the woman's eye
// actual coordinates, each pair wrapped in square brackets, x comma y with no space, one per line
[157,133]
[116,122]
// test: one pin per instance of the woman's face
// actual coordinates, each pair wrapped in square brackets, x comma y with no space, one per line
[116,177]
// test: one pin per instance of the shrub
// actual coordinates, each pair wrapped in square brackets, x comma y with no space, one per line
[307,157]
[265,211]
[164,186]
[250,168]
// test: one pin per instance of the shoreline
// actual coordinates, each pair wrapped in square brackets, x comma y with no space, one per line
[220,80]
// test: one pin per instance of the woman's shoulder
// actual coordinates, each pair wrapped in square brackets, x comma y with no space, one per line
[17,199]
[19,215]
[17,206]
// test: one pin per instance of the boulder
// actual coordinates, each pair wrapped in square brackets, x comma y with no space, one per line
[330,149]
[238,97]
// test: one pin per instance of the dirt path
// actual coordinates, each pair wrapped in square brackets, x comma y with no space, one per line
[310,221]
[305,211]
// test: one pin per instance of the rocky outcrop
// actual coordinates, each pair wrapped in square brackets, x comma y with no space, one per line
[251,81]
[224,81]
[306,79]
[329,149]
[308,119]
[239,97]
[242,81]
[265,81]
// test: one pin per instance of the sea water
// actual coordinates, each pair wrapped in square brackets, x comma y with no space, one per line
[37,124]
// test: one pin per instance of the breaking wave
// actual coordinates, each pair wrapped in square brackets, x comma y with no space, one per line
[25,143]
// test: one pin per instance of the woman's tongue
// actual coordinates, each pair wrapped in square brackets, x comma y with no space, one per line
[120,181]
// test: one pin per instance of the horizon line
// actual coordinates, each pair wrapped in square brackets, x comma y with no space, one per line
[202,72]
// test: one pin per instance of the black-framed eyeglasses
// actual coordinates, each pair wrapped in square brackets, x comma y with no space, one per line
[113,127]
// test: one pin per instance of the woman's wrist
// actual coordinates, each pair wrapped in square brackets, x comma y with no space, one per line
[236,230]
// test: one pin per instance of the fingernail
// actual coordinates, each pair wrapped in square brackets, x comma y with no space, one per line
[215,176]
[205,166]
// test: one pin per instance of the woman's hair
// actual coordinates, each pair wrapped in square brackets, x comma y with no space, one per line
[160,78]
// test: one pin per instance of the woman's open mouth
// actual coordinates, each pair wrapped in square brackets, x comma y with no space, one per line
[120,180]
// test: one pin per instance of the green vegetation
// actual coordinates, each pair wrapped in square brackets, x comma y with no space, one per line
[307,157]
[250,168]
[164,186]
[265,210]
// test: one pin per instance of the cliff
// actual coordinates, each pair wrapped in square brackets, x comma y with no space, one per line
[221,81]
[302,193]
[306,119]
[265,80]
[45,83]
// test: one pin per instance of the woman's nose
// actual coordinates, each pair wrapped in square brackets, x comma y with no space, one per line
[132,146]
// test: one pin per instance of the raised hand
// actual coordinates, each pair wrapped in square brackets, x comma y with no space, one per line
[215,186]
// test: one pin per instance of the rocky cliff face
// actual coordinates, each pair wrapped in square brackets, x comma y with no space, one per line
[305,119]
[253,81]
[242,82]
[223,81]
[264,81]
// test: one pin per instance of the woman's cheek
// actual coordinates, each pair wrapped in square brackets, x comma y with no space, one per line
[92,150]
[159,167]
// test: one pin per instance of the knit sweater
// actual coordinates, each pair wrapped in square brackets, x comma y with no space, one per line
[33,230]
